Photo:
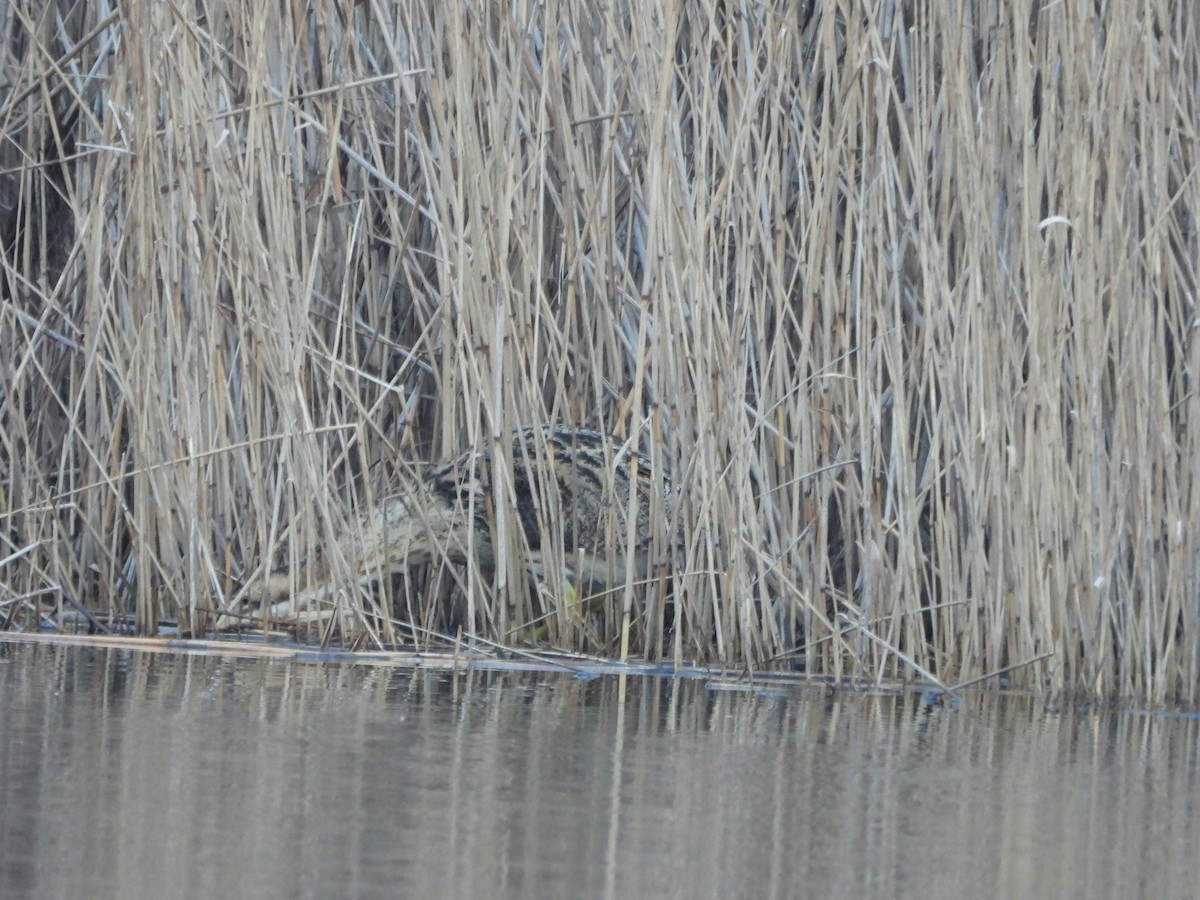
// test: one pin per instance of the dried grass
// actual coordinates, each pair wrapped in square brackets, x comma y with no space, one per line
[903,294]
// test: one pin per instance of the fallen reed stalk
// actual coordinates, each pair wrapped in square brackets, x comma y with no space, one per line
[903,296]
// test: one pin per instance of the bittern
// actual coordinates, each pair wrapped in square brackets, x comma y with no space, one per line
[581,490]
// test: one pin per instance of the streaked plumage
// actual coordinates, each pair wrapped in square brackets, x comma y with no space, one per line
[450,514]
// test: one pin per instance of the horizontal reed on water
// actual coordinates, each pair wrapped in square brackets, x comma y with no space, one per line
[902,294]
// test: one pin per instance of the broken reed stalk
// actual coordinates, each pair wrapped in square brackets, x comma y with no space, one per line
[949,244]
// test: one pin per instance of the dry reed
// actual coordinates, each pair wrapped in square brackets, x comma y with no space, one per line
[902,293]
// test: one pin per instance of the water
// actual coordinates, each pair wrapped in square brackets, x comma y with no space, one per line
[131,774]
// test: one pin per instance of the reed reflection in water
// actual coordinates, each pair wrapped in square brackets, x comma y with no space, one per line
[130,774]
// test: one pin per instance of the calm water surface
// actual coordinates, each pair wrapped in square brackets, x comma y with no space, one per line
[140,775]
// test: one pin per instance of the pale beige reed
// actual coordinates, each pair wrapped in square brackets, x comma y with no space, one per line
[902,295]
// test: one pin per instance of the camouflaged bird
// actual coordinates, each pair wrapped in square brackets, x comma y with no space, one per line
[597,484]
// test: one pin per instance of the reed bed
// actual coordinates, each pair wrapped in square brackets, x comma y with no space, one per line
[902,294]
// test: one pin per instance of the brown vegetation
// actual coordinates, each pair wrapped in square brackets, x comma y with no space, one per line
[903,295]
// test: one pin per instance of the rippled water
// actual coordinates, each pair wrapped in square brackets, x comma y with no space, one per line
[131,774]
